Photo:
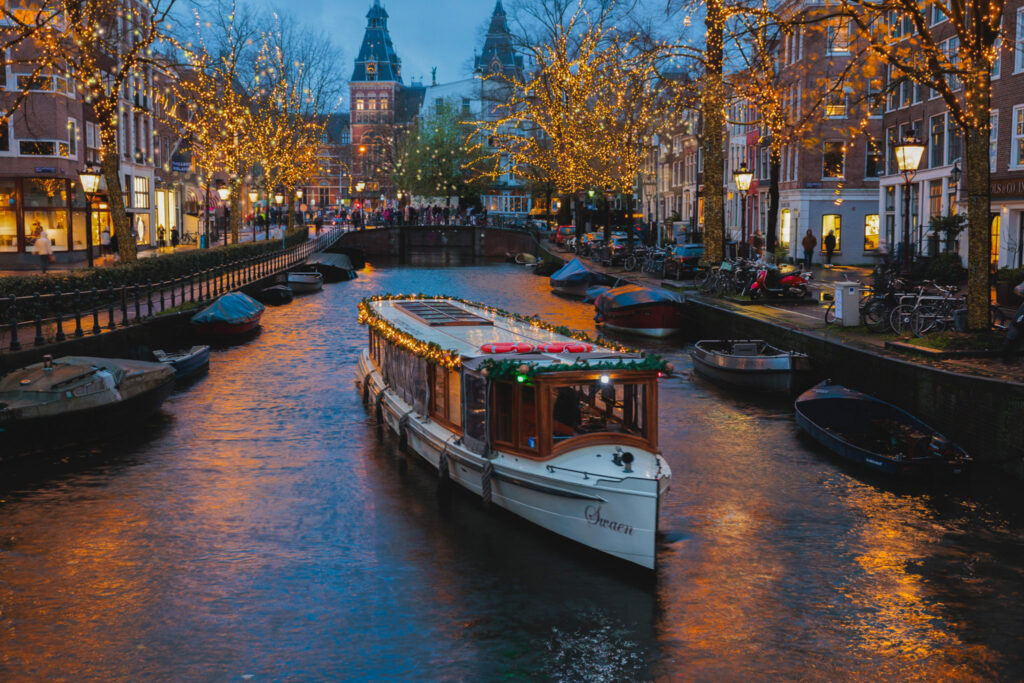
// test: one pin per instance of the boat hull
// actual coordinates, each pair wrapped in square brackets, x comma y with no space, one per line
[775,373]
[187,366]
[21,438]
[658,319]
[225,330]
[617,516]
[305,283]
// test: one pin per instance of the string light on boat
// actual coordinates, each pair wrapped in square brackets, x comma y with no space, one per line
[605,379]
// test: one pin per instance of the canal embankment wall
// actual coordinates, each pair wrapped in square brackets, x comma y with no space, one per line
[984,415]
[404,243]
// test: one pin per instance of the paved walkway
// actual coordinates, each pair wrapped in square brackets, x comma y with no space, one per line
[810,318]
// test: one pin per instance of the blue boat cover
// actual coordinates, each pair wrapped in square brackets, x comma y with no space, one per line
[231,308]
[575,273]
[630,295]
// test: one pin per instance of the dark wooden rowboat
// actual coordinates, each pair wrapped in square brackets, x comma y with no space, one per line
[749,364]
[876,434]
[640,310]
[186,364]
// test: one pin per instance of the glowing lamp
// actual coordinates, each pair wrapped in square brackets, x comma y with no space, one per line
[90,177]
[742,176]
[253,196]
[908,154]
[279,199]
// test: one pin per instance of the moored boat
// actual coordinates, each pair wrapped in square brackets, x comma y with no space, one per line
[334,267]
[276,295]
[871,432]
[305,282]
[750,364]
[229,317]
[640,310]
[559,430]
[187,363]
[574,279]
[77,398]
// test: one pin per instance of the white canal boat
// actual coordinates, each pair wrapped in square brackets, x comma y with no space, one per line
[558,431]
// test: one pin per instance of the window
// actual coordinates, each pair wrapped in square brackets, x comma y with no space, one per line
[514,417]
[938,16]
[839,36]
[37,148]
[589,407]
[786,230]
[37,82]
[871,232]
[383,101]
[141,188]
[935,198]
[72,138]
[993,138]
[997,60]
[360,104]
[372,103]
[445,395]
[831,223]
[5,137]
[833,157]
[874,160]
[1017,140]
[890,151]
[3,69]
[835,105]
[937,141]
[951,48]
[465,106]
[1018,53]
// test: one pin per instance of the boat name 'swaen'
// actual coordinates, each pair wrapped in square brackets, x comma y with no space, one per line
[594,518]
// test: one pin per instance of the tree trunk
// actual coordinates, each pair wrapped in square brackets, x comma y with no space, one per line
[607,219]
[979,231]
[291,209]
[236,210]
[630,223]
[564,210]
[115,200]
[774,171]
[713,106]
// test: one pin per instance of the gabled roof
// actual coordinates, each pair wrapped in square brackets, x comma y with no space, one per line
[377,60]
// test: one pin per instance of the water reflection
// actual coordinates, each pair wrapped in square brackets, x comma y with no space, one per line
[263,528]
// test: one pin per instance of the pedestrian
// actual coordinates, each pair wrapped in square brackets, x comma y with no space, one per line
[105,243]
[161,234]
[757,241]
[830,246]
[809,243]
[174,239]
[43,248]
[318,223]
[113,246]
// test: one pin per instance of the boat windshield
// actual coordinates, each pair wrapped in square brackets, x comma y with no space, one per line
[598,406]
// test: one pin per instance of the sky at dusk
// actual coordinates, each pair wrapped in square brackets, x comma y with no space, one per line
[426,33]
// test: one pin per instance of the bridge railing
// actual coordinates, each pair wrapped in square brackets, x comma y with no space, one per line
[55,316]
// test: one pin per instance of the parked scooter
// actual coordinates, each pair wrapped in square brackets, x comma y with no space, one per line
[770,281]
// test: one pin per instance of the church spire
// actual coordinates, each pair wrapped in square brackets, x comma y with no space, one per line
[498,56]
[377,60]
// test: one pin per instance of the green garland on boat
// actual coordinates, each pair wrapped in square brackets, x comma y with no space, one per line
[508,368]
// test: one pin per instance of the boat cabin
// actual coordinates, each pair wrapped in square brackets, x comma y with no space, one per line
[548,395]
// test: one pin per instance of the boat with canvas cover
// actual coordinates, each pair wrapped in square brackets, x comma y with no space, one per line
[574,279]
[640,310]
[554,427]
[750,364]
[231,316]
[305,282]
[76,398]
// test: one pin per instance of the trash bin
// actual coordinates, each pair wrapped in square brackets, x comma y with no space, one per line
[847,298]
[202,241]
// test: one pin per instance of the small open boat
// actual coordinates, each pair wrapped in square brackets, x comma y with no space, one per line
[276,295]
[77,398]
[305,282]
[749,364]
[186,364]
[334,267]
[874,433]
[558,431]
[574,279]
[640,310]
[229,317]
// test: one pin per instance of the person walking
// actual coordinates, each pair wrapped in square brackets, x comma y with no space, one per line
[809,243]
[318,223]
[830,246]
[105,243]
[43,248]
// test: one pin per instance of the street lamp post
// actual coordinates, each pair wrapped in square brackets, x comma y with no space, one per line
[908,157]
[90,177]
[253,198]
[279,199]
[656,142]
[223,191]
[742,177]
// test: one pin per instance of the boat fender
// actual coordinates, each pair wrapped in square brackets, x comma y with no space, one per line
[403,434]
[366,389]
[485,484]
[378,411]
[443,475]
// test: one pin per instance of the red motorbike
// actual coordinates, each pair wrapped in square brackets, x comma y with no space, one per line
[771,281]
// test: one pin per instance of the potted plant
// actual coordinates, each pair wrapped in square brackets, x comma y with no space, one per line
[950,227]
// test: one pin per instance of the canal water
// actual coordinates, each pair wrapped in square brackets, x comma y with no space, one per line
[262,529]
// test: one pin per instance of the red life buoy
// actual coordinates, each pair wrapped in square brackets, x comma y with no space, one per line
[554,347]
[570,347]
[508,347]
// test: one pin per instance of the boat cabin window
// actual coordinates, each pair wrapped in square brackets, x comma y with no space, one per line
[597,406]
[406,373]
[514,417]
[445,396]
[375,344]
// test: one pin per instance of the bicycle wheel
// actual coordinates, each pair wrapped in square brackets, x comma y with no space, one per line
[899,319]
[924,320]
[830,314]
[700,276]
[875,315]
[629,263]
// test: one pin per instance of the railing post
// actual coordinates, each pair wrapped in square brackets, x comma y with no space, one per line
[79,332]
[205,273]
[58,306]
[149,298]
[173,293]
[39,341]
[124,305]
[110,307]
[12,312]
[96,311]
[182,290]
[138,304]
[191,289]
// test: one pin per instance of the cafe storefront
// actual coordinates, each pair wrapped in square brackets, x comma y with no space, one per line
[56,206]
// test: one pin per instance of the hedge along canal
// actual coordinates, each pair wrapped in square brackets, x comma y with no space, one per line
[985,416]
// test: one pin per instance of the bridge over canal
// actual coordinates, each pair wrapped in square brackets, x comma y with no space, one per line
[438,244]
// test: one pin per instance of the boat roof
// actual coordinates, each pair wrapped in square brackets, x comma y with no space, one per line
[464,328]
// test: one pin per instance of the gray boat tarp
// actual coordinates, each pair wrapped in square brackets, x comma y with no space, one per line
[231,308]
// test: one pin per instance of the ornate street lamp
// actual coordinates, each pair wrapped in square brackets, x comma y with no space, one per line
[223,191]
[90,178]
[279,200]
[742,177]
[908,157]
